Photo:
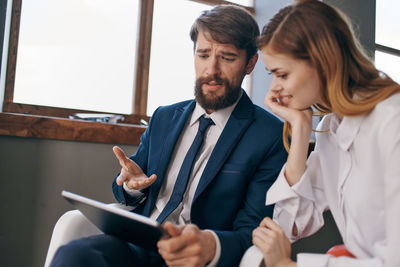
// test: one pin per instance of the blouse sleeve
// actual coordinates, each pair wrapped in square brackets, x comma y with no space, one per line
[390,140]
[325,260]
[302,204]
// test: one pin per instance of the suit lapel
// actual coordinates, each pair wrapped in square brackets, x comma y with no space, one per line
[237,124]
[177,123]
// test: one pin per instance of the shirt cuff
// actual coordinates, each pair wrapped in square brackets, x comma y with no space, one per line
[285,217]
[314,260]
[132,192]
[252,257]
[217,255]
[280,190]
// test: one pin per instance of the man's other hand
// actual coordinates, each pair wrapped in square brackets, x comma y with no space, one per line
[187,246]
[131,174]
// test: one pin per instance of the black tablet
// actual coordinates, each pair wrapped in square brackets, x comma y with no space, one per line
[126,225]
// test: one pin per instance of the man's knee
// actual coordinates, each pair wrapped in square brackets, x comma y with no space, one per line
[77,253]
[100,251]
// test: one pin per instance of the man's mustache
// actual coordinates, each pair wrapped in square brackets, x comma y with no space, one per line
[215,78]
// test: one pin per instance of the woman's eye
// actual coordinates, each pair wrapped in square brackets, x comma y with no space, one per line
[278,75]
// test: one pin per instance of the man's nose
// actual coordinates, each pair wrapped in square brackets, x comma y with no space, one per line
[212,66]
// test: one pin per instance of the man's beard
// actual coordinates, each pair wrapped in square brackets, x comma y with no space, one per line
[213,101]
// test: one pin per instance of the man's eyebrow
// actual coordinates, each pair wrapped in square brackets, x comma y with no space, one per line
[229,54]
[203,50]
[224,53]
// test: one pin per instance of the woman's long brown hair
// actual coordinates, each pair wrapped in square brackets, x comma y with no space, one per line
[314,31]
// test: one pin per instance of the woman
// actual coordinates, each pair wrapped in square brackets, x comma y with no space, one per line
[354,170]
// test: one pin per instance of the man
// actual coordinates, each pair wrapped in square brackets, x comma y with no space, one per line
[211,213]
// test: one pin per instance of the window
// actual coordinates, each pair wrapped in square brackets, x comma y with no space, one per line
[95,56]
[171,49]
[171,76]
[387,55]
[82,63]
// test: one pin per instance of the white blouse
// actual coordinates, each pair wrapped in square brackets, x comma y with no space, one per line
[354,171]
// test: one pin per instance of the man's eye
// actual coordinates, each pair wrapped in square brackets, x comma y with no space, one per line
[282,76]
[229,59]
[202,55]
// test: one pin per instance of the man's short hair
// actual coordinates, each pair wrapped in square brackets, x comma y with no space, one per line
[228,24]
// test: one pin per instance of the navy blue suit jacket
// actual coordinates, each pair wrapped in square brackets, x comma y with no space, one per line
[230,197]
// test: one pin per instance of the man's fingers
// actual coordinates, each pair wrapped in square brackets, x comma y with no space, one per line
[141,183]
[119,153]
[146,182]
[120,180]
[175,242]
[172,230]
[151,180]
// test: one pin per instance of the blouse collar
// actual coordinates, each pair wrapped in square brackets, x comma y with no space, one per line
[345,131]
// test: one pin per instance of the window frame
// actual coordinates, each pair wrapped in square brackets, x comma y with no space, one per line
[17,119]
[387,50]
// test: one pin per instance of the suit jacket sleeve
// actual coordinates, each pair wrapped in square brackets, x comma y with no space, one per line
[141,159]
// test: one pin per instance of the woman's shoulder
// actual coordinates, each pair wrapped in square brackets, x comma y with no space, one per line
[392,102]
[387,109]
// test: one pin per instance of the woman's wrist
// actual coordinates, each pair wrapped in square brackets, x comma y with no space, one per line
[288,263]
[301,128]
[296,162]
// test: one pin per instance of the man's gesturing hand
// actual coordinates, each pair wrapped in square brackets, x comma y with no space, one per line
[131,174]
[187,246]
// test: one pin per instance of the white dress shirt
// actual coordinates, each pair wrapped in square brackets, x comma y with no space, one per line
[181,215]
[355,172]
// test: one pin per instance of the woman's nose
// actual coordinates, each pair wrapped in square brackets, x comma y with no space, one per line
[275,86]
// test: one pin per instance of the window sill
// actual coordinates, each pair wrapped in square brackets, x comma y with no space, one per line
[23,125]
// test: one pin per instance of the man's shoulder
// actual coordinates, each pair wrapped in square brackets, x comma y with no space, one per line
[247,109]
[171,108]
[264,116]
[178,105]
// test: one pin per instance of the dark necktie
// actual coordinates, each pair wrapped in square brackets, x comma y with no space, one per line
[186,169]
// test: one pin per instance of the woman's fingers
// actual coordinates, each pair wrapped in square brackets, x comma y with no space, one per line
[270,224]
[272,242]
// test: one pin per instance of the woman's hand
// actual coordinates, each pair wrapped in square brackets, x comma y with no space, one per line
[273,243]
[301,125]
[297,118]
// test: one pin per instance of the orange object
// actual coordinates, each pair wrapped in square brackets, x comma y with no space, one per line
[339,251]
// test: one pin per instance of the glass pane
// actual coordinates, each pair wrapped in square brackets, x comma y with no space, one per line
[389,64]
[387,24]
[243,2]
[77,54]
[172,76]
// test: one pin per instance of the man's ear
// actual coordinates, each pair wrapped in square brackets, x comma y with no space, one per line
[252,63]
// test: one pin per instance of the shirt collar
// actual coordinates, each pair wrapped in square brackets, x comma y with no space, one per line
[345,131]
[220,117]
